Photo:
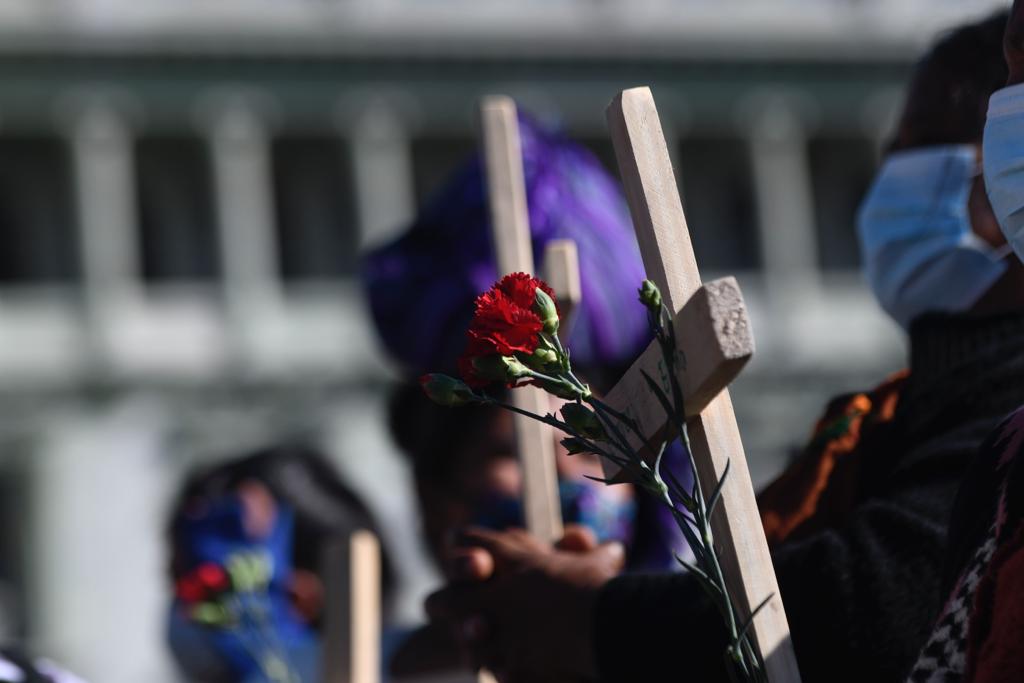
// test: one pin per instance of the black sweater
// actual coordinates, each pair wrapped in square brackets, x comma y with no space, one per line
[860,596]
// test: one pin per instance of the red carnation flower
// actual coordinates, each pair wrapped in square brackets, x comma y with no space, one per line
[213,577]
[505,323]
[502,327]
[521,288]
[189,590]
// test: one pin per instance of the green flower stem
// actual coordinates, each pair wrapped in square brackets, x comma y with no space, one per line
[562,381]
[681,492]
[623,418]
[620,441]
[561,426]
[690,531]
[667,343]
[557,342]
[546,419]
[583,387]
[563,357]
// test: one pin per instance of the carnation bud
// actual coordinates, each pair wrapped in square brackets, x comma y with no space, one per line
[584,421]
[500,368]
[660,490]
[563,390]
[446,391]
[650,296]
[546,309]
[545,356]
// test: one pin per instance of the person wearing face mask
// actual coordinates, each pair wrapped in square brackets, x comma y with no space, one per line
[921,252]
[977,637]
[857,524]
[421,289]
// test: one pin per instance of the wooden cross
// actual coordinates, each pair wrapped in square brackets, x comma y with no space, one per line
[352,609]
[510,230]
[715,343]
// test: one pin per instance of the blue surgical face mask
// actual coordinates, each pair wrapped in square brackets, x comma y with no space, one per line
[1004,163]
[609,516]
[920,254]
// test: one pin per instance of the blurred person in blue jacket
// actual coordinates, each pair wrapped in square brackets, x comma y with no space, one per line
[247,541]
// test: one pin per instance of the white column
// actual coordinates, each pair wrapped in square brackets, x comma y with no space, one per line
[245,217]
[97,581]
[104,175]
[785,203]
[382,167]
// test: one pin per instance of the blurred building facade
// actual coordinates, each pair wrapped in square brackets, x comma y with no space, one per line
[185,186]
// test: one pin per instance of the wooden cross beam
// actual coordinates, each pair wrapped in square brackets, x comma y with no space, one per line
[510,230]
[352,613]
[715,342]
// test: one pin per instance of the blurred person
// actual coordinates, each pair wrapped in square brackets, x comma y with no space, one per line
[857,524]
[978,636]
[247,540]
[422,289]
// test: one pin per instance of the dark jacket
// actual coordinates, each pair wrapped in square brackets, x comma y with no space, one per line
[862,588]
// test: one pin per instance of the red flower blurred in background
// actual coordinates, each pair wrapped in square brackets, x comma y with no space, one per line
[213,577]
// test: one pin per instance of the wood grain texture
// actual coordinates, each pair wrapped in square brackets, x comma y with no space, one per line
[510,230]
[352,613]
[669,261]
[562,272]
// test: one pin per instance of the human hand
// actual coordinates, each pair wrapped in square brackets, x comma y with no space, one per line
[525,609]
[468,562]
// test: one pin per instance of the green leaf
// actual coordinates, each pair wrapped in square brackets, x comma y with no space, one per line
[583,420]
[660,395]
[575,446]
[447,391]
[700,574]
[717,494]
[746,626]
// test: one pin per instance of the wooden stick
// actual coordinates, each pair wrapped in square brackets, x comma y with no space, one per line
[352,614]
[562,272]
[661,230]
[510,230]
